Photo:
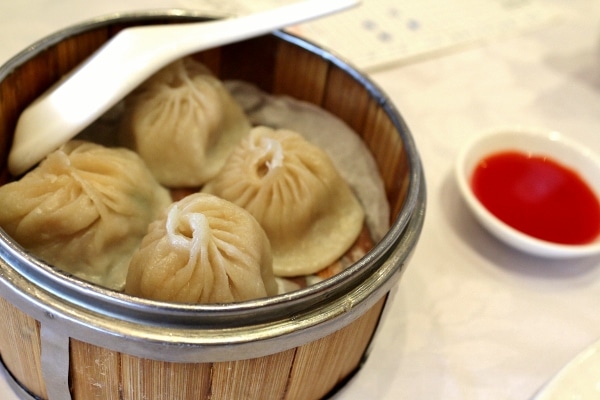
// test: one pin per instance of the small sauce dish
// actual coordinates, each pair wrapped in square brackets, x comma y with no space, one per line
[519,210]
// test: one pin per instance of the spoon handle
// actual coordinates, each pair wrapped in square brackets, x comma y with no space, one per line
[127,60]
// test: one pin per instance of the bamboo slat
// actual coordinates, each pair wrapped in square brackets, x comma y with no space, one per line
[144,379]
[258,378]
[324,363]
[300,74]
[20,348]
[388,150]
[10,105]
[346,98]
[94,372]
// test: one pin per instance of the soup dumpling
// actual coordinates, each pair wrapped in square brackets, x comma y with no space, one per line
[183,123]
[205,250]
[292,188]
[84,209]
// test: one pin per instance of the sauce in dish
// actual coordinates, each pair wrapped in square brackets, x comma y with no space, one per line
[538,196]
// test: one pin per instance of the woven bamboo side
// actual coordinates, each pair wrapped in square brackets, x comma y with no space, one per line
[304,373]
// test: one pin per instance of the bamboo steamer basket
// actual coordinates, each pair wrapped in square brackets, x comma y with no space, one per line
[63,338]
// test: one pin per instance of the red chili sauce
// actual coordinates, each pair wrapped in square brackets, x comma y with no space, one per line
[538,196]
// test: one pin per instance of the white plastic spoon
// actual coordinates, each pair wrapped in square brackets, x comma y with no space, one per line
[127,60]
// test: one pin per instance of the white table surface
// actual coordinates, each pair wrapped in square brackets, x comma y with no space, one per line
[472,319]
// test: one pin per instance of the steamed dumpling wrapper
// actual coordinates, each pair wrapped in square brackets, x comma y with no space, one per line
[310,214]
[183,123]
[84,209]
[347,151]
[205,250]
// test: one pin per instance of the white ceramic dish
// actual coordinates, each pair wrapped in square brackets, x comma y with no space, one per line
[579,379]
[536,142]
